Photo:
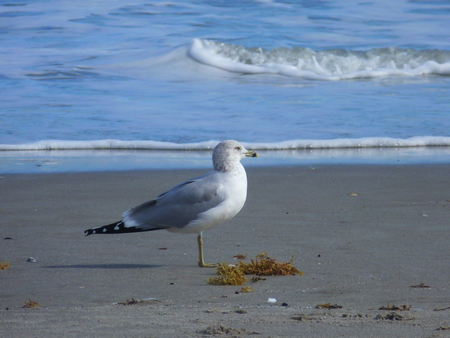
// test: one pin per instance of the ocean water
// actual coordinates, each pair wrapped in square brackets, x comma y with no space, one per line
[120,82]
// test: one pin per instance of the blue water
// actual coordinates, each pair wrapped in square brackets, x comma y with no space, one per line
[272,74]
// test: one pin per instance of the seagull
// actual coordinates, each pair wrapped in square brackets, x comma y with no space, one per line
[195,205]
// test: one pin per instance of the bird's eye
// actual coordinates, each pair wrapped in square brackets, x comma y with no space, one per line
[238,148]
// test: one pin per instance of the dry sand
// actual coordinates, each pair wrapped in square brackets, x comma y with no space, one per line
[363,235]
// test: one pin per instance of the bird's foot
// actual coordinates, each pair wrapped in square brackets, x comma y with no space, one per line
[208,265]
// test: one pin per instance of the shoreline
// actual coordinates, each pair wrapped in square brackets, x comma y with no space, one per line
[58,161]
[362,234]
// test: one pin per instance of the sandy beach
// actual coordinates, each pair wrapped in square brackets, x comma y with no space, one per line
[363,235]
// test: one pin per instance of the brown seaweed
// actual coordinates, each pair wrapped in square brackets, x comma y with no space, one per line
[30,304]
[247,289]
[396,308]
[262,265]
[328,306]
[421,285]
[131,302]
[4,266]
[228,275]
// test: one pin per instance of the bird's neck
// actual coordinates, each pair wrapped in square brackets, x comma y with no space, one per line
[229,167]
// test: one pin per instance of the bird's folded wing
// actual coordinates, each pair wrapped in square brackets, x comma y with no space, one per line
[176,207]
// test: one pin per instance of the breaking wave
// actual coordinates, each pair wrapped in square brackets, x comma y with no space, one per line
[332,64]
[367,142]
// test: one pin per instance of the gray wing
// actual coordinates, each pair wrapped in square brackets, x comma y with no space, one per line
[178,206]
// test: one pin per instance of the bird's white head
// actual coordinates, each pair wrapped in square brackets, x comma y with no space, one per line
[227,154]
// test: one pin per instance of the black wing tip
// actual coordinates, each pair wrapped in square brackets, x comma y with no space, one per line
[117,228]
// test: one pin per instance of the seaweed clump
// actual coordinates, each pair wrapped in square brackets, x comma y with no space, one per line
[396,308]
[328,306]
[247,289]
[30,304]
[131,302]
[4,266]
[219,330]
[262,265]
[421,285]
[228,275]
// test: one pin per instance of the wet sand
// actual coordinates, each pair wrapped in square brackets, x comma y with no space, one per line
[362,235]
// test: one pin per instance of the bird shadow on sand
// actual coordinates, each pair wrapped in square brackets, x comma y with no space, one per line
[103,266]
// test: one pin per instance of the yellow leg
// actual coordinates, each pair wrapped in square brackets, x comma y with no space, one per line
[201,262]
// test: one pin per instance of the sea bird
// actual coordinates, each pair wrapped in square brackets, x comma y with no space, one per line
[195,205]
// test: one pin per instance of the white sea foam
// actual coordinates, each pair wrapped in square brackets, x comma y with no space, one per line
[367,142]
[334,64]
[107,144]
